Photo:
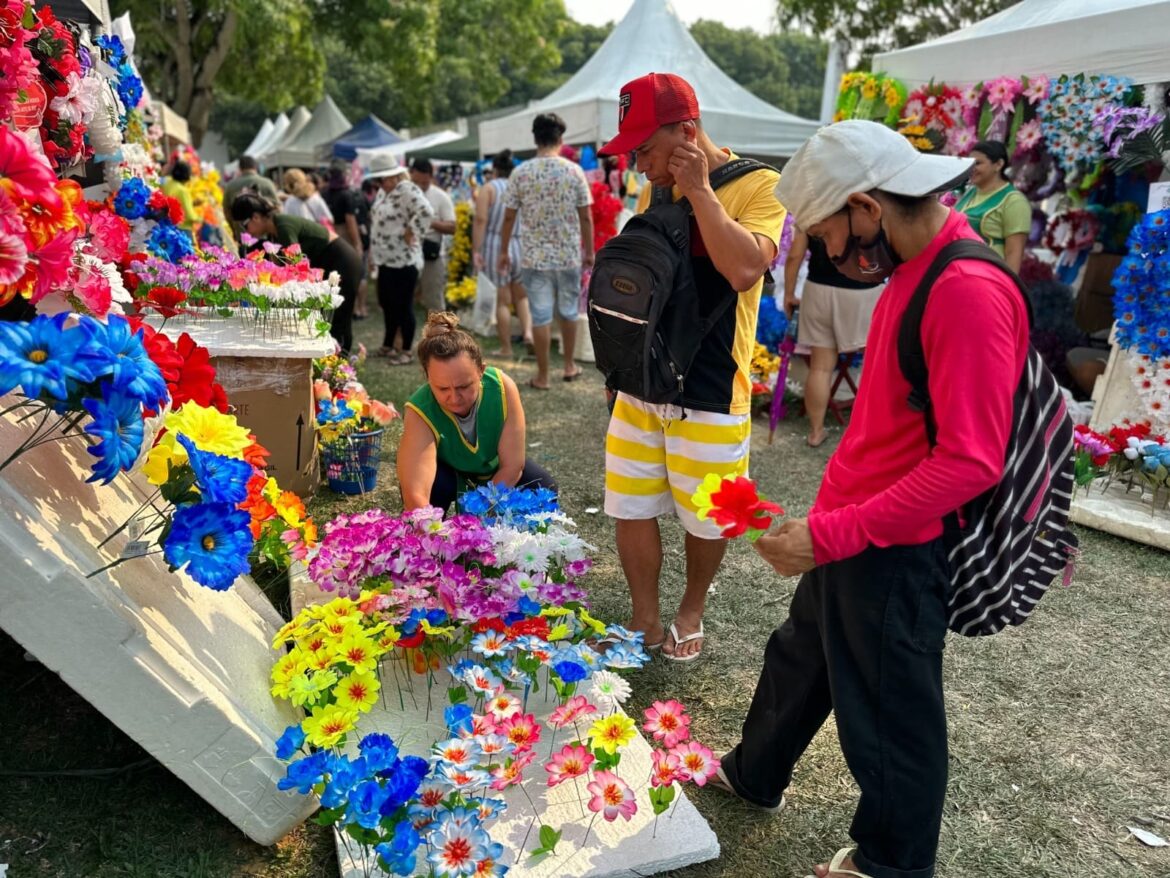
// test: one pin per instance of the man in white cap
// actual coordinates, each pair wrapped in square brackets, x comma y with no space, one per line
[865,630]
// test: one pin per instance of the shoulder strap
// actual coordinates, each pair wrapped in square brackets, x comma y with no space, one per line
[911,357]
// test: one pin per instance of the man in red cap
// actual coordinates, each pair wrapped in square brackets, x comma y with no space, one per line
[656,455]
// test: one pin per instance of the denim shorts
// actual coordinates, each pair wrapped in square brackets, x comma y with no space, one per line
[546,287]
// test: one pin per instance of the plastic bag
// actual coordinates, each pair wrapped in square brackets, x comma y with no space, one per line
[483,317]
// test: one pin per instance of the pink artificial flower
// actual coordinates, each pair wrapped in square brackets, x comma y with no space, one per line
[93,290]
[665,770]
[13,257]
[523,731]
[503,706]
[109,236]
[573,761]
[511,772]
[577,707]
[961,140]
[1029,136]
[54,264]
[297,548]
[695,762]
[668,722]
[612,796]
[972,99]
[28,171]
[483,724]
[1002,93]
[1037,89]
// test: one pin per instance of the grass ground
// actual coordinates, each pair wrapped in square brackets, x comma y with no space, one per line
[1058,730]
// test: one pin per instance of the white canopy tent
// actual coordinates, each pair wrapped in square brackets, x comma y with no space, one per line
[1118,37]
[260,137]
[296,122]
[653,39]
[404,148]
[301,150]
[260,145]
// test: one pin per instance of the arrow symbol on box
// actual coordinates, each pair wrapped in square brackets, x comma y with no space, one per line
[300,432]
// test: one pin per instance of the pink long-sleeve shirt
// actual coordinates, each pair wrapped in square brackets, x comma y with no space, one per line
[884,485]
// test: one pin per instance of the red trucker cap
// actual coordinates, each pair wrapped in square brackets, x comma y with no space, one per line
[646,104]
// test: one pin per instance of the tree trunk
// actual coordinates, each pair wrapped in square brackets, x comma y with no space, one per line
[195,94]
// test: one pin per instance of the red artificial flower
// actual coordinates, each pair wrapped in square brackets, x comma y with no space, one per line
[256,505]
[25,170]
[165,300]
[256,454]
[493,623]
[537,625]
[411,642]
[737,508]
[197,377]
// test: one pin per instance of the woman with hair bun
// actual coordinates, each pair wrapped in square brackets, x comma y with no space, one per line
[261,218]
[464,427]
[996,209]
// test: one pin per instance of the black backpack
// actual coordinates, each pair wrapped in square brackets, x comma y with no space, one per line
[1016,540]
[645,319]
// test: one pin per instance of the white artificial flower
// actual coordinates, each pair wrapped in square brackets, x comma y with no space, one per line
[608,690]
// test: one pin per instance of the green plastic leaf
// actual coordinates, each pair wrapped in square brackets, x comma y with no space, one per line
[1017,121]
[984,121]
[328,816]
[457,694]
[549,837]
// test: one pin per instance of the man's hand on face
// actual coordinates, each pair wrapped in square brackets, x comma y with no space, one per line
[688,166]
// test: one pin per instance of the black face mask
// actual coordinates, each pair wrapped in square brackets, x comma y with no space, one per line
[868,263]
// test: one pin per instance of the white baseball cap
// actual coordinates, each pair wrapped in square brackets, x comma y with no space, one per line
[858,156]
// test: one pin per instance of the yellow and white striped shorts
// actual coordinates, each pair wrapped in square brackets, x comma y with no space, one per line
[655,458]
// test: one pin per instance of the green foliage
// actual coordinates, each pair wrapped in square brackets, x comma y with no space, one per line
[871,26]
[786,70]
[548,840]
[576,45]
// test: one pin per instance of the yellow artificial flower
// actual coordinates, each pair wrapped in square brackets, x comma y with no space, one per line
[358,692]
[209,429]
[162,458]
[307,689]
[556,611]
[612,732]
[357,651]
[559,632]
[869,88]
[388,640]
[597,625]
[325,726]
[433,631]
[285,633]
[702,496]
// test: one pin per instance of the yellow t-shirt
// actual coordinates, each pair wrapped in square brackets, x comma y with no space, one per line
[719,380]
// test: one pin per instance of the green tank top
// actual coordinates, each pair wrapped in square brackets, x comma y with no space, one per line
[478,462]
[976,213]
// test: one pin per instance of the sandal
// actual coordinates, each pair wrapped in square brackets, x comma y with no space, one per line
[835,865]
[720,782]
[679,641]
[574,376]
[402,359]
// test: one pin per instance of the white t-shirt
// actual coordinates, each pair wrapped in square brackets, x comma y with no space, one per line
[444,210]
[311,208]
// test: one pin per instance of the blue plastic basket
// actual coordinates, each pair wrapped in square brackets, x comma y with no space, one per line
[351,462]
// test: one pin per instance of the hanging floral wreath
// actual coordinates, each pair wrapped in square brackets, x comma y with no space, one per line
[1074,230]
[1068,119]
[871,96]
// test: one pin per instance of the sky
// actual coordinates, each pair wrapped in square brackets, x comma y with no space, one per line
[756,14]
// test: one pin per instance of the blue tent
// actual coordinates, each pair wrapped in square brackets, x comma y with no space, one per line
[370,132]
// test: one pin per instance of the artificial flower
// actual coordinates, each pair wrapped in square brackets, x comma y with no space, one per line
[572,761]
[609,690]
[358,691]
[212,541]
[668,722]
[612,796]
[325,726]
[695,762]
[612,732]
[209,430]
[42,357]
[664,769]
[576,708]
[117,423]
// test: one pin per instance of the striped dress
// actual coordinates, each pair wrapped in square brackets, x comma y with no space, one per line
[491,239]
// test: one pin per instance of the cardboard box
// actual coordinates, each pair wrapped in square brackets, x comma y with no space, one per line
[1094,304]
[273,397]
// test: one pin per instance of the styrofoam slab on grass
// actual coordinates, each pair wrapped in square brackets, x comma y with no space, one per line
[181,669]
[1131,515]
[413,716]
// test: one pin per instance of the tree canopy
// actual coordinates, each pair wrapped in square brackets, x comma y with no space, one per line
[868,27]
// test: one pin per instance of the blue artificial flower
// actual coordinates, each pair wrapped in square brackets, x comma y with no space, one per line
[42,357]
[437,617]
[365,803]
[131,198]
[220,479]
[488,808]
[528,606]
[118,351]
[170,242]
[626,656]
[402,783]
[303,774]
[771,325]
[379,751]
[290,742]
[344,775]
[129,87]
[458,718]
[117,422]
[398,853]
[571,672]
[113,46]
[213,540]
[1141,284]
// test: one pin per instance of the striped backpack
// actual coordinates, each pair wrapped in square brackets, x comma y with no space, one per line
[1016,539]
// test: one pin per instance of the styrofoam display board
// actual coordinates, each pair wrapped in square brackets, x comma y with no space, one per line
[620,849]
[1130,514]
[238,336]
[181,669]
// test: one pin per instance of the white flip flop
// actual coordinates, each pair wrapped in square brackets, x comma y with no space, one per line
[678,641]
[835,865]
